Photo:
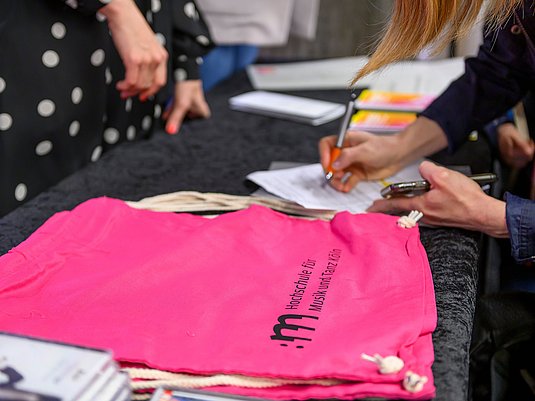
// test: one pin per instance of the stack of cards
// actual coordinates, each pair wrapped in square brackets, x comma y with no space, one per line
[380,122]
[387,112]
[34,369]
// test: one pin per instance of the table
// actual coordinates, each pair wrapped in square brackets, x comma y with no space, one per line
[215,155]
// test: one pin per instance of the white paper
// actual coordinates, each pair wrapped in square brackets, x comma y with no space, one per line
[429,77]
[307,186]
[333,73]
[290,107]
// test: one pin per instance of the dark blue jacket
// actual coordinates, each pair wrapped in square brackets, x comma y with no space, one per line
[493,82]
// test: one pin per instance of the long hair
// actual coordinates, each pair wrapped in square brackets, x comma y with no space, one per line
[418,23]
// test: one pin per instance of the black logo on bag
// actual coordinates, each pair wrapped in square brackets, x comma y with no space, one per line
[285,325]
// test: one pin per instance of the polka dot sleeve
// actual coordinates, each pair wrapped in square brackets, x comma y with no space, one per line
[89,7]
[191,40]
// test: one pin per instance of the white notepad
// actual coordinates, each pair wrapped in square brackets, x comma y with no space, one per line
[288,107]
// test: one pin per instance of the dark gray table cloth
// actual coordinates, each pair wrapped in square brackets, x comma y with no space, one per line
[216,154]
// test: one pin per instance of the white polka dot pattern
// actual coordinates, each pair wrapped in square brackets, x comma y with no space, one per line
[157,111]
[191,11]
[180,74]
[21,191]
[46,108]
[182,58]
[2,85]
[72,3]
[97,58]
[111,135]
[203,40]
[108,75]
[43,148]
[131,133]
[199,60]
[96,153]
[6,121]
[156,6]
[128,104]
[76,95]
[100,17]
[149,17]
[74,128]
[50,58]
[160,38]
[146,122]
[58,30]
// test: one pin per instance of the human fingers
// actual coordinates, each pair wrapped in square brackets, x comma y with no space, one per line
[436,175]
[325,146]
[159,77]
[393,205]
[354,149]
[144,80]
[175,118]
[522,147]
[200,109]
[352,177]
[127,86]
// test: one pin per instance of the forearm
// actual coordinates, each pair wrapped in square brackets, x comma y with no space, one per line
[420,139]
[489,217]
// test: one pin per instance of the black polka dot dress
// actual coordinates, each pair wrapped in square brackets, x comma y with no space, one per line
[59,108]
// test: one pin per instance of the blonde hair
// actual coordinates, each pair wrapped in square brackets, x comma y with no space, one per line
[418,23]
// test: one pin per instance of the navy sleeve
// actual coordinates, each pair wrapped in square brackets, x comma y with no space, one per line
[520,216]
[493,82]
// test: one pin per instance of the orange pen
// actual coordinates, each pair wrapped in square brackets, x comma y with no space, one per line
[335,152]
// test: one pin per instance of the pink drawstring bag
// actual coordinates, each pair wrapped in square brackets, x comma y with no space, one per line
[298,309]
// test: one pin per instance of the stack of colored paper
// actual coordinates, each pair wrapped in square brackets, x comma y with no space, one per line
[387,112]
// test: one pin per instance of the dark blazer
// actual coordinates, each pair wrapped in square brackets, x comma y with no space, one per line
[493,82]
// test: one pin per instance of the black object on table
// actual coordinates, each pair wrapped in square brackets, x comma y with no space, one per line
[215,155]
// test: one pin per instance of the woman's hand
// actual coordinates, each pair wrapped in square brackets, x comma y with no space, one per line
[367,156]
[188,101]
[515,151]
[144,58]
[454,200]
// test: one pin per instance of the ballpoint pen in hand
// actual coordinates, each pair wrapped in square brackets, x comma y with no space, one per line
[335,152]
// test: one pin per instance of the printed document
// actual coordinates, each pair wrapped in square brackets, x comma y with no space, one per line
[306,185]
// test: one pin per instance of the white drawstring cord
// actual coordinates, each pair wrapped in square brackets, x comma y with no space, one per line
[387,365]
[413,382]
[410,220]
